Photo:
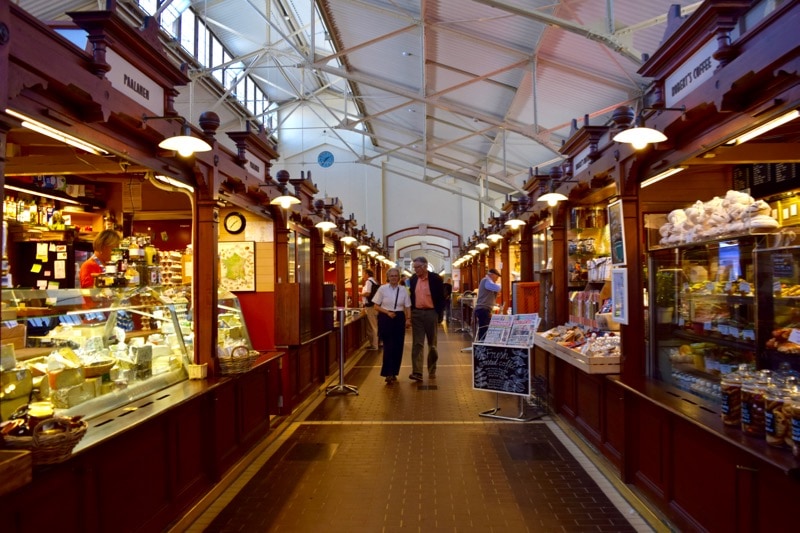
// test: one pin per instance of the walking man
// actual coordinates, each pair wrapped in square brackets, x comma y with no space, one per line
[427,306]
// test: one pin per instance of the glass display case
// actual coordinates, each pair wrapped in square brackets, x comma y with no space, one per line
[778,319]
[88,351]
[703,312]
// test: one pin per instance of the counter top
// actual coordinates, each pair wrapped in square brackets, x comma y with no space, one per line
[705,415]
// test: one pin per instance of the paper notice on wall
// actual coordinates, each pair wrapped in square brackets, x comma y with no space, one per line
[131,197]
[41,251]
[36,268]
[60,268]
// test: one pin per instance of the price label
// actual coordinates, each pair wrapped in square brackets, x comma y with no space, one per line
[710,287]
[707,326]
[794,336]
[749,334]
[723,329]
[728,287]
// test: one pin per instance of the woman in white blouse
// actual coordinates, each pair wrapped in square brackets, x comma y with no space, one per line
[394,315]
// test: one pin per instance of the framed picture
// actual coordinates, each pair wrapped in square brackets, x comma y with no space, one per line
[619,295]
[237,265]
[616,233]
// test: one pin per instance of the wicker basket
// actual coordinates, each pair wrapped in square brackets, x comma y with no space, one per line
[237,364]
[47,449]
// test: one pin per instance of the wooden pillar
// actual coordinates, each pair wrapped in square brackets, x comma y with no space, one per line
[341,253]
[560,270]
[204,286]
[526,253]
[5,50]
[354,281]
[281,245]
[505,276]
[634,354]
[317,280]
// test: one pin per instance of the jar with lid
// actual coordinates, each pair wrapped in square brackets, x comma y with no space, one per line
[731,391]
[794,430]
[753,403]
[37,412]
[777,419]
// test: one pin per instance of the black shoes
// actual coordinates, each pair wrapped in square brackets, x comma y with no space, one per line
[431,375]
[415,377]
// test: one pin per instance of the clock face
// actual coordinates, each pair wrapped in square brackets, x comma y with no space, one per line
[235,222]
[325,159]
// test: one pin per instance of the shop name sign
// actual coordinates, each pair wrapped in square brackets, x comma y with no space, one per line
[255,166]
[133,83]
[691,74]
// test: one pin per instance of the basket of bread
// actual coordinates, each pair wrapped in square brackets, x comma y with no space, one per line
[50,439]
[236,360]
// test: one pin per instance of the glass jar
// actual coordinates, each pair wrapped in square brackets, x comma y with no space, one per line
[776,422]
[753,404]
[794,409]
[731,391]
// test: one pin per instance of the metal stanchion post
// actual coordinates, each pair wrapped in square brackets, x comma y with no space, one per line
[341,388]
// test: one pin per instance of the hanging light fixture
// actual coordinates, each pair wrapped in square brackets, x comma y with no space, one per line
[325,225]
[481,246]
[347,240]
[285,199]
[185,143]
[639,136]
[552,198]
[363,248]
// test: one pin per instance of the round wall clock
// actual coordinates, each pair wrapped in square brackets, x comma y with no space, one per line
[325,159]
[235,222]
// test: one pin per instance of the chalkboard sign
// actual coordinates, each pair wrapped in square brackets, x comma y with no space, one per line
[503,369]
[765,179]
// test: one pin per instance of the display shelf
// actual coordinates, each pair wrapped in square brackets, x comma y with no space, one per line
[590,365]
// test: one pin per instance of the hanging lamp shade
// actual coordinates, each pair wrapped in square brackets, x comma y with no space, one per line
[185,144]
[515,223]
[640,136]
[552,198]
[494,237]
[348,240]
[325,225]
[285,200]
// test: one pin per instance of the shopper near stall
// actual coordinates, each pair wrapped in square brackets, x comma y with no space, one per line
[103,245]
[393,304]
[368,290]
[488,289]
[448,294]
[427,306]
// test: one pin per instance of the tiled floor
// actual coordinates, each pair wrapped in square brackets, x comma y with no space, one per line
[418,457]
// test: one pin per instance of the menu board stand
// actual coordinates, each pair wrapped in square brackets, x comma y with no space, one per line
[504,370]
